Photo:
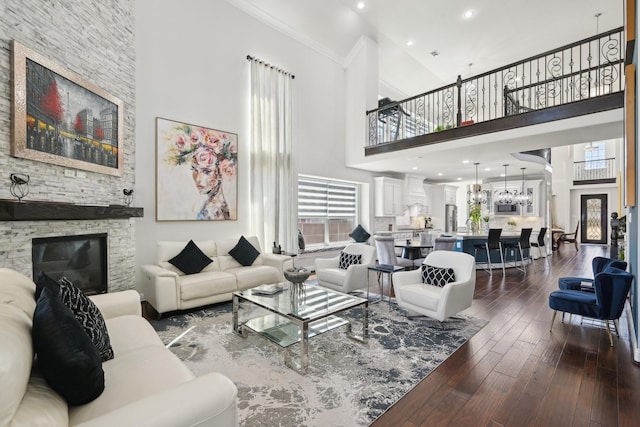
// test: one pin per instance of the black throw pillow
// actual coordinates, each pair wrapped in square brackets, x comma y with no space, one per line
[437,276]
[45,281]
[66,356]
[89,317]
[191,259]
[244,252]
[359,234]
[348,259]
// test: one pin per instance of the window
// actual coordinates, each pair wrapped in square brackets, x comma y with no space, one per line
[327,210]
[594,156]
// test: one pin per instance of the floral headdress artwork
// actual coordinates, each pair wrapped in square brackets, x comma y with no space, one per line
[211,156]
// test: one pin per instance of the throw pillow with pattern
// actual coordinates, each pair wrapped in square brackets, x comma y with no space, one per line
[88,315]
[348,259]
[437,276]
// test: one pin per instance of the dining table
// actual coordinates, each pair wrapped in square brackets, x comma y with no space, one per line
[413,249]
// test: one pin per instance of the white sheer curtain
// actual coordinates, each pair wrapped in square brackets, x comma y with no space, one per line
[273,184]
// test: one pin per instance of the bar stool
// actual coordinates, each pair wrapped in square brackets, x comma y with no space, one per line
[540,244]
[493,243]
[523,243]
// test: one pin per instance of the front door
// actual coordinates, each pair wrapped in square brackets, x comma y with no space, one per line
[593,218]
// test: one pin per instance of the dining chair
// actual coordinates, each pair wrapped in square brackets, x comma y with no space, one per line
[520,246]
[493,243]
[606,302]
[540,244]
[569,237]
[444,243]
[387,253]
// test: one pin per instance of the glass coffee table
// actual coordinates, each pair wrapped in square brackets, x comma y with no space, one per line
[297,313]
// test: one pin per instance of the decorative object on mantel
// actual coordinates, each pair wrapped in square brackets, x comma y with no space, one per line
[197,175]
[128,196]
[19,185]
[505,197]
[63,119]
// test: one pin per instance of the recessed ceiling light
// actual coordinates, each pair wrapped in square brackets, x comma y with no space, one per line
[410,43]
[415,168]
[487,169]
[440,174]
[459,179]
[469,13]
[465,161]
[360,5]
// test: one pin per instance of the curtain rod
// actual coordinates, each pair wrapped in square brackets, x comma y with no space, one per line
[260,61]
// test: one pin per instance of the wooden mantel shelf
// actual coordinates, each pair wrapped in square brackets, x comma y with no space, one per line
[12,210]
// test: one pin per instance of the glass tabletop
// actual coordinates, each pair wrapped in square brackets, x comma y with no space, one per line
[305,303]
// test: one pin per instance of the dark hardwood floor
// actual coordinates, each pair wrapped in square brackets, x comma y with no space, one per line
[514,372]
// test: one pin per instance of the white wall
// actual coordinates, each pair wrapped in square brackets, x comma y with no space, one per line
[191,66]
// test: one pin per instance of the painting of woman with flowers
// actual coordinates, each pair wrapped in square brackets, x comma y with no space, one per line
[197,172]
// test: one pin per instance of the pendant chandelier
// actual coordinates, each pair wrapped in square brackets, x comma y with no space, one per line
[505,197]
[476,194]
[523,198]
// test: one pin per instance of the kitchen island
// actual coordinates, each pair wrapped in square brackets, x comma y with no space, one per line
[465,243]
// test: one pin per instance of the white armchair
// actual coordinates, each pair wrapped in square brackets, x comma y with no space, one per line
[356,276]
[434,301]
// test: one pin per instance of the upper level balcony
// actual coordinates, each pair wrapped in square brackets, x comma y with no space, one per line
[577,79]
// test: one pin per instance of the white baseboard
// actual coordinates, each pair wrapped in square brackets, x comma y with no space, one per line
[632,334]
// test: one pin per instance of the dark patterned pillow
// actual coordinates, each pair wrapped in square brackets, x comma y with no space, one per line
[191,259]
[88,315]
[359,234]
[67,358]
[348,259]
[437,276]
[244,252]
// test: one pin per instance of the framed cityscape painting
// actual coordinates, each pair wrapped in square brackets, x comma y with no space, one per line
[60,118]
[196,173]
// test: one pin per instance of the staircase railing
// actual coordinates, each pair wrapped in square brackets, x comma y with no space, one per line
[582,70]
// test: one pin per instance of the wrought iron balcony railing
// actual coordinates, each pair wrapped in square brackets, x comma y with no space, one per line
[594,172]
[579,71]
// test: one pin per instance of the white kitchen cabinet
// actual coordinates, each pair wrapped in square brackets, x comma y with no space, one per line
[450,194]
[388,196]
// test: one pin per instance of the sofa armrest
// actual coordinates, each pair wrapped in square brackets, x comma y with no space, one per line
[208,400]
[281,262]
[322,263]
[116,304]
[161,288]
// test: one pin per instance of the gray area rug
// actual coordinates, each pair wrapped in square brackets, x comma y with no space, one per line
[348,383]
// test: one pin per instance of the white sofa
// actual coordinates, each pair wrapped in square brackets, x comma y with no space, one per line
[145,384]
[167,288]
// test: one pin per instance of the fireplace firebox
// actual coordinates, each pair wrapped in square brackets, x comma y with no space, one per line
[80,258]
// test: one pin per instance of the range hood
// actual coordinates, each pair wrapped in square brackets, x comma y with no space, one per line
[413,193]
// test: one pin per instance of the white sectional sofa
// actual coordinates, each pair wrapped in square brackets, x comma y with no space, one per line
[167,288]
[145,384]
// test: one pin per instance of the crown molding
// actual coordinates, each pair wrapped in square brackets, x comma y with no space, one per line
[285,29]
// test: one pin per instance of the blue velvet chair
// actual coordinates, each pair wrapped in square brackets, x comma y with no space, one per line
[606,302]
[598,264]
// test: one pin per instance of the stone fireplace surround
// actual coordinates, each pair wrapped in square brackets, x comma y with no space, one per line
[16,246]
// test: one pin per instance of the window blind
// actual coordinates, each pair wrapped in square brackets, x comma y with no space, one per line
[326,199]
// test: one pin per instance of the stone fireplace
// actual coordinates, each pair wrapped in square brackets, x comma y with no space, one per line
[81,258]
[115,223]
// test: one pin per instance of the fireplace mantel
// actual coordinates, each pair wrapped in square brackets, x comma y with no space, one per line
[12,210]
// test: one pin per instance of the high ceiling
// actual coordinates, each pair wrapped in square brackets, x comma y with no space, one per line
[498,33]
